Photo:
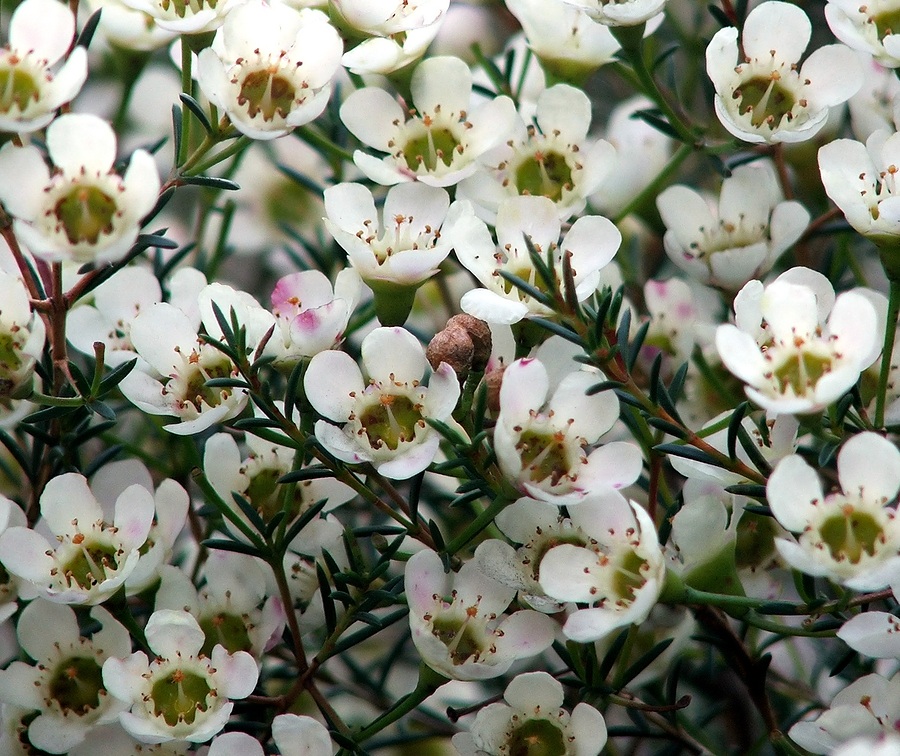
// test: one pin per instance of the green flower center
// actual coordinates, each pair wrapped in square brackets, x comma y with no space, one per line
[17,89]
[9,353]
[228,630]
[265,495]
[537,737]
[801,371]
[186,7]
[76,684]
[90,565]
[197,392]
[461,637]
[755,543]
[85,213]
[268,93]
[765,100]
[544,174]
[544,456]
[849,534]
[178,697]
[628,577]
[434,147]
[887,23]
[393,419]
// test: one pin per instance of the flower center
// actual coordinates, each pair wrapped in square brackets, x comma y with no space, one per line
[463,638]
[90,564]
[800,371]
[76,684]
[266,92]
[191,387]
[17,87]
[434,146]
[394,419]
[178,697]
[9,357]
[544,455]
[265,494]
[887,22]
[228,630]
[765,100]
[85,212]
[627,578]
[851,533]
[544,174]
[183,8]
[537,737]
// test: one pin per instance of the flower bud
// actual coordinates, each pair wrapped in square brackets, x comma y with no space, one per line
[480,334]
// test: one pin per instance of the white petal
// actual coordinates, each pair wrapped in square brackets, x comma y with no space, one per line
[369,115]
[791,491]
[532,689]
[300,736]
[79,141]
[870,464]
[393,354]
[330,380]
[236,673]
[777,26]
[66,498]
[173,633]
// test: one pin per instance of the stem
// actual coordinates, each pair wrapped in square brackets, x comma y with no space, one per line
[890,331]
[187,86]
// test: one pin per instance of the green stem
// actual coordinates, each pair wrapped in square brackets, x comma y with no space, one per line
[890,331]
[187,86]
[202,166]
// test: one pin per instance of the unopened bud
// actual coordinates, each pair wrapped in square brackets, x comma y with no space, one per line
[493,380]
[480,334]
[453,346]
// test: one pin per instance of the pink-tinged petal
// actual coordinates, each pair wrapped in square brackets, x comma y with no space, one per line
[589,625]
[369,115]
[124,678]
[33,629]
[20,686]
[533,689]
[525,633]
[236,674]
[777,26]
[300,736]
[614,465]
[25,554]
[567,574]
[411,462]
[443,392]
[524,390]
[793,491]
[566,110]
[174,633]
[491,307]
[236,744]
[67,498]
[443,83]
[424,578]
[393,355]
[79,141]
[134,516]
[875,634]
[351,208]
[835,75]
[869,464]
[45,26]
[330,380]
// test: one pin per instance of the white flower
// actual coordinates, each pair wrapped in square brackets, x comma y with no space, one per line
[541,439]
[620,12]
[592,241]
[383,420]
[765,96]
[22,336]
[128,28]
[11,515]
[850,536]
[862,182]
[620,573]
[181,694]
[738,240]
[870,27]
[441,143]
[233,608]
[403,242]
[40,33]
[398,32]
[532,719]
[870,706]
[83,211]
[293,735]
[167,340]
[872,107]
[186,16]
[456,625]
[795,352]
[552,159]
[270,67]
[91,559]
[65,686]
